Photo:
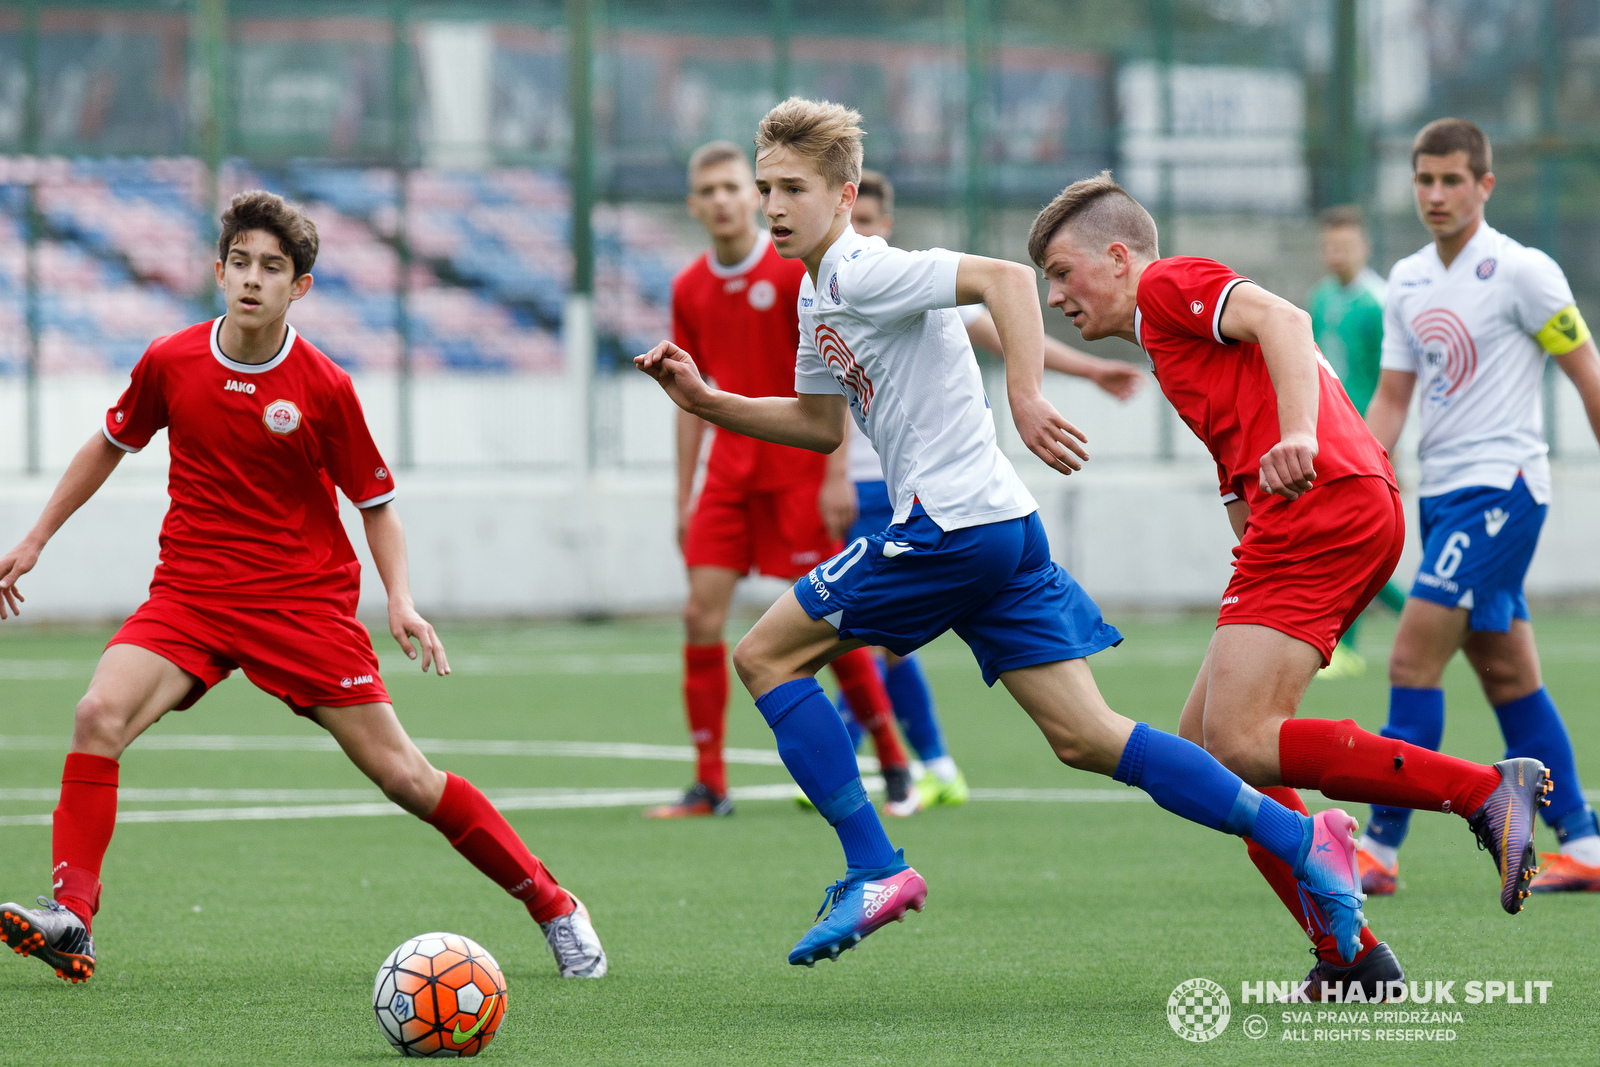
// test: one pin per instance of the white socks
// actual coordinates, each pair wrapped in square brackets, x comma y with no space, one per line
[1585,850]
[1388,854]
[944,768]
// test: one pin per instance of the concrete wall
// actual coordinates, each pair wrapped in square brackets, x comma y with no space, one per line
[1134,534]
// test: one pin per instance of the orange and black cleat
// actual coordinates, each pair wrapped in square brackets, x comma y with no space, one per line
[1376,879]
[1564,874]
[697,802]
[51,933]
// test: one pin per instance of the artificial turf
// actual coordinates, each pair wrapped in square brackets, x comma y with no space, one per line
[1055,931]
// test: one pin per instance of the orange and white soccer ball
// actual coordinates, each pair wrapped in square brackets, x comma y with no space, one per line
[439,995]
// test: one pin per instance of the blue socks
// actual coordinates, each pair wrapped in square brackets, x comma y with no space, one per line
[913,706]
[1532,727]
[1186,780]
[852,725]
[815,748]
[1416,716]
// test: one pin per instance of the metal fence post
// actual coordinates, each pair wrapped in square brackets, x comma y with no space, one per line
[577,327]
[782,19]
[978,59]
[1162,16]
[30,147]
[400,92]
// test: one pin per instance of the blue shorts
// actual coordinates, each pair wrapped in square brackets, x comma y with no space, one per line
[995,585]
[874,510]
[1476,547]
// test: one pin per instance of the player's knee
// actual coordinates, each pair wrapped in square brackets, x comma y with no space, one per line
[97,725]
[703,623]
[1411,668]
[414,785]
[748,662]
[1236,751]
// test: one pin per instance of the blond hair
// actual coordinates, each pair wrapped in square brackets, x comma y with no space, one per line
[827,134]
[1100,211]
[709,155]
[873,183]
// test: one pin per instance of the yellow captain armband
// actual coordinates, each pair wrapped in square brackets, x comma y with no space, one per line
[1565,331]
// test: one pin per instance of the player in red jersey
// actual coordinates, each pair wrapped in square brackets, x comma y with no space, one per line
[776,510]
[256,573]
[1313,500]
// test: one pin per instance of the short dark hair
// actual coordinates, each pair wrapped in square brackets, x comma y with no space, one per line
[874,184]
[1340,216]
[257,209]
[1103,210]
[1444,136]
[709,155]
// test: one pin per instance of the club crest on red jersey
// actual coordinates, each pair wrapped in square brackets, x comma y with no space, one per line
[281,417]
[763,294]
[1197,307]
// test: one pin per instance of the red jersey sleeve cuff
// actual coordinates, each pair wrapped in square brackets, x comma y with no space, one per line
[372,502]
[113,440]
[1222,302]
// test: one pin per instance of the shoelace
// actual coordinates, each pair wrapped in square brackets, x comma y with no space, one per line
[567,946]
[50,905]
[834,894]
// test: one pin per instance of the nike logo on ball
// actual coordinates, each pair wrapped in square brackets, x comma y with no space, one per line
[461,1038]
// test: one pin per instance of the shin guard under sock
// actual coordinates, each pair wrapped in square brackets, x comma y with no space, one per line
[81,831]
[1188,781]
[705,701]
[1416,716]
[1532,727]
[858,676]
[814,747]
[913,707]
[1283,882]
[1345,762]
[479,832]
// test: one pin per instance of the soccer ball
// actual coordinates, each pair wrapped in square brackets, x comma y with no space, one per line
[439,995]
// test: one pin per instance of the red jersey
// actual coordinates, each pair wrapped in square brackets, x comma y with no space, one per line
[1221,388]
[257,449]
[742,326]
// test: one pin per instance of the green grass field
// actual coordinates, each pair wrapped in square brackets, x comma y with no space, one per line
[1054,933]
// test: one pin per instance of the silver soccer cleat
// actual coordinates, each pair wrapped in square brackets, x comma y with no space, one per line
[574,944]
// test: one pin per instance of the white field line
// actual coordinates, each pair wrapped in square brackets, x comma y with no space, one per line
[756,757]
[504,799]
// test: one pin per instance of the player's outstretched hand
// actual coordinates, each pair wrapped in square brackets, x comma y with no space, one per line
[1121,380]
[405,624]
[1288,470]
[1049,436]
[14,565]
[674,370]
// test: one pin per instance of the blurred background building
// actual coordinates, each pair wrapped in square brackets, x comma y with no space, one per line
[499,187]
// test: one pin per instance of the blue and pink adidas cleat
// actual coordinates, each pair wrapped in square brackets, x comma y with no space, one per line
[1330,880]
[862,901]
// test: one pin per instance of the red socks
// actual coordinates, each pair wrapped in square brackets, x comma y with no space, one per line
[1344,762]
[858,676]
[705,699]
[479,832]
[81,831]
[1282,880]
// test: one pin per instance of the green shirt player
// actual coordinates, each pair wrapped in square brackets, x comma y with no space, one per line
[1347,319]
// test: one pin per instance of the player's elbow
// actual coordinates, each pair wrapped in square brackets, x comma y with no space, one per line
[828,440]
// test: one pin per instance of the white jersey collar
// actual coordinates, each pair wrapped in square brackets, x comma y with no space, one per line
[249,368]
[744,265]
[1472,251]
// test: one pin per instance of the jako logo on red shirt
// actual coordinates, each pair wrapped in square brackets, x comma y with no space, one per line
[1197,307]
[842,362]
[281,417]
[238,387]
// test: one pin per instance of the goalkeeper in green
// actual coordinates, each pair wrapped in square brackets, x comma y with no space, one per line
[1347,319]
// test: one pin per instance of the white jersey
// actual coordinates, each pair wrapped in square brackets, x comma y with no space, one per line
[863,462]
[883,331]
[1468,333]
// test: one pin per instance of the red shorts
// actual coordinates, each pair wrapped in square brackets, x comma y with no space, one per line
[1308,567]
[305,657]
[780,534]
